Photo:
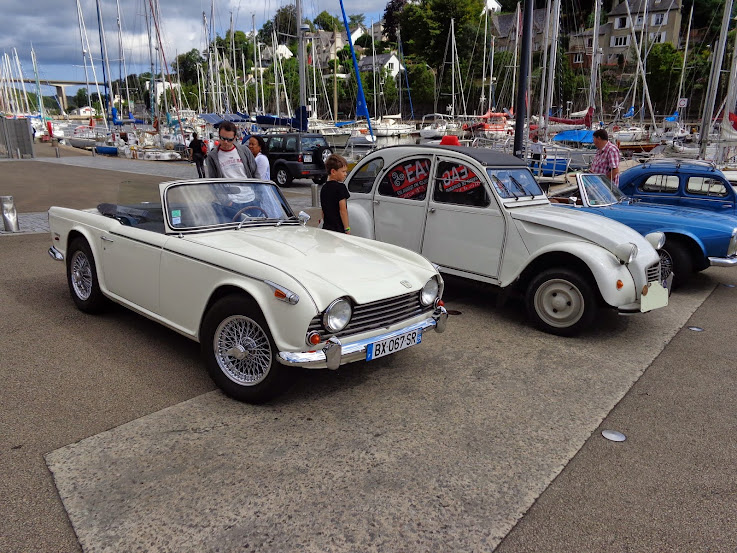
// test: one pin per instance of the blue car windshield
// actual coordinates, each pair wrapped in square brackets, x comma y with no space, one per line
[514,183]
[600,190]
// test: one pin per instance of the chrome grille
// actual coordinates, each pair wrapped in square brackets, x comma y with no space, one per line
[378,314]
[653,272]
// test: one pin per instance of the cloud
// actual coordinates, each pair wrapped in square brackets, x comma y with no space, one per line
[52,28]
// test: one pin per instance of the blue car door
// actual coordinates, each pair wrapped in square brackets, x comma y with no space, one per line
[708,192]
[659,188]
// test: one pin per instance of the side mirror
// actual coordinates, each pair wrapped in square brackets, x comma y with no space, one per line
[303,217]
[572,200]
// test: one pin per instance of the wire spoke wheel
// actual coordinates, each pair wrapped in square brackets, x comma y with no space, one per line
[242,350]
[559,303]
[666,264]
[81,275]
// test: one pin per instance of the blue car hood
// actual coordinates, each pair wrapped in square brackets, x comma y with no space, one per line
[665,217]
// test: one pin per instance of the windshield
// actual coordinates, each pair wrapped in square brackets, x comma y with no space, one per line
[311,143]
[600,190]
[514,183]
[218,203]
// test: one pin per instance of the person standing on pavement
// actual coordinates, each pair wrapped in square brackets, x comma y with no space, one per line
[230,160]
[536,149]
[606,160]
[198,149]
[257,146]
[334,196]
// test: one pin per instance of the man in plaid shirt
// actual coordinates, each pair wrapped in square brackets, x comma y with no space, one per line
[606,160]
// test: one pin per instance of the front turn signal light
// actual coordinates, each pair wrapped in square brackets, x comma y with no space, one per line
[313,338]
[645,289]
[620,285]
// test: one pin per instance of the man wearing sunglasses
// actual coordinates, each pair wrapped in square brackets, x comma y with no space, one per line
[230,160]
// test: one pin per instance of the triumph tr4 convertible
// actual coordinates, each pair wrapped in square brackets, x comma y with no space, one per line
[228,264]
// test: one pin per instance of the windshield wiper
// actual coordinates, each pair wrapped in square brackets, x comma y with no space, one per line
[504,187]
[520,188]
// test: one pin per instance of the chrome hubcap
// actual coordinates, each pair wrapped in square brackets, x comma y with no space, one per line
[81,274]
[559,303]
[242,350]
[281,177]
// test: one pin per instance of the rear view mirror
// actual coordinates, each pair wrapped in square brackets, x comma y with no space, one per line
[303,217]
[572,200]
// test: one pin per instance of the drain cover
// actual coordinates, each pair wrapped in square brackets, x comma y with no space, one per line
[613,435]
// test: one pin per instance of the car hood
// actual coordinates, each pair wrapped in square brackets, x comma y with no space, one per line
[608,233]
[670,215]
[328,264]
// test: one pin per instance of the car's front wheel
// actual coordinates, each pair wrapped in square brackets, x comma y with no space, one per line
[82,277]
[239,351]
[282,177]
[560,302]
[676,259]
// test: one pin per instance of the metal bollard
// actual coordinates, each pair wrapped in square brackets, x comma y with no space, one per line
[58,154]
[10,217]
[315,196]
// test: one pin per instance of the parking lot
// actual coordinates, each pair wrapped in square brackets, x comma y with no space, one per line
[486,436]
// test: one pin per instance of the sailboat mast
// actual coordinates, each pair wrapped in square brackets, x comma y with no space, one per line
[543,73]
[685,56]
[38,85]
[255,63]
[301,60]
[716,68]
[124,76]
[105,61]
[555,16]
[516,49]
[595,55]
[452,68]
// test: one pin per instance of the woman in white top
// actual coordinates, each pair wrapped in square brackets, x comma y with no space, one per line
[258,149]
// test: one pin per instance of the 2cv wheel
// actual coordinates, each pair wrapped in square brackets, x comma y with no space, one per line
[560,302]
[239,351]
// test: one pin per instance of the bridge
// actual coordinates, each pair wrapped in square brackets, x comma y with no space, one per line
[60,85]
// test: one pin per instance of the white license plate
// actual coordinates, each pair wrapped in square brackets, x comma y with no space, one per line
[657,294]
[308,158]
[392,345]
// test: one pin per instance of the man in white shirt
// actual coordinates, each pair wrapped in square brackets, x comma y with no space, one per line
[230,160]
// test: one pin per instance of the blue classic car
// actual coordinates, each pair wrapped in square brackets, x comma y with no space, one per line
[694,239]
[687,183]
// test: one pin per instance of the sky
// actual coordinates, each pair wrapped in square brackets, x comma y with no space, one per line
[52,28]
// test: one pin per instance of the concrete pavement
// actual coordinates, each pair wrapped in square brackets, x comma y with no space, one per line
[443,447]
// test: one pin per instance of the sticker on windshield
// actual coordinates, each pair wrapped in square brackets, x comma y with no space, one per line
[176,213]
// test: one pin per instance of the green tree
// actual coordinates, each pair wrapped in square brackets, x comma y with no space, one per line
[356,19]
[187,64]
[391,18]
[327,22]
[664,64]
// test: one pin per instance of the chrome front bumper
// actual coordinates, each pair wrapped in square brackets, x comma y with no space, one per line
[335,353]
[723,261]
[55,254]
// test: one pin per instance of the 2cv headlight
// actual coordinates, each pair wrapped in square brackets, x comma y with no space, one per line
[626,253]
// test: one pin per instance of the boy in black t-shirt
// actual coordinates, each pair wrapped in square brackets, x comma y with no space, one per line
[334,196]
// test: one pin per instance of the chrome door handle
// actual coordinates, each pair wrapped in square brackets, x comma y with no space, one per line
[106,239]
[377,202]
[431,210]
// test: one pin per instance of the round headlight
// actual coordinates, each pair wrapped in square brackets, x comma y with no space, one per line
[429,292]
[626,253]
[337,315]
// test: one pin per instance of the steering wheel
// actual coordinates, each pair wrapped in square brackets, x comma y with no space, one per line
[243,210]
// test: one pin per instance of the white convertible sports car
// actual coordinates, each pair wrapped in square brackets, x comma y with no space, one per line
[228,264]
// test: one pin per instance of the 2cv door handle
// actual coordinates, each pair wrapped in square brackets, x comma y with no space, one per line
[377,202]
[431,210]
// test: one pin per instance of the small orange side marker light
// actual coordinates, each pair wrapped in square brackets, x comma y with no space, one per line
[313,338]
[441,303]
[280,294]
[620,285]
[645,289]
